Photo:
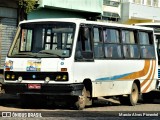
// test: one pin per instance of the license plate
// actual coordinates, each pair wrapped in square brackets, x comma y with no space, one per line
[34,86]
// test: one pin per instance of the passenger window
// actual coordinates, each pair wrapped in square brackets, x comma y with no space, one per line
[130,45]
[112,45]
[128,37]
[147,52]
[113,51]
[146,45]
[111,36]
[143,38]
[131,51]
[98,44]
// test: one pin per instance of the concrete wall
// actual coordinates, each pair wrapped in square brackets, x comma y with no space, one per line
[53,13]
[139,12]
[78,5]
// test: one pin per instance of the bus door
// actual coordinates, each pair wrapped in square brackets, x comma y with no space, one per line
[158,45]
[158,53]
[83,53]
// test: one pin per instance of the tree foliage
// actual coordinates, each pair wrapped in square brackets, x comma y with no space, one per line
[27,5]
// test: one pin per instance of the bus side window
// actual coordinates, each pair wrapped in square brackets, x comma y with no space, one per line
[83,48]
[98,44]
[113,51]
[108,51]
[130,44]
[126,51]
[146,45]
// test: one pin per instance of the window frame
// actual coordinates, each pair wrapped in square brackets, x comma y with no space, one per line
[130,54]
[100,42]
[20,45]
[150,44]
[115,55]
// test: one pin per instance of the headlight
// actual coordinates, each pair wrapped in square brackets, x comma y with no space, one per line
[64,77]
[61,78]
[47,79]
[13,77]
[20,79]
[8,76]
[58,77]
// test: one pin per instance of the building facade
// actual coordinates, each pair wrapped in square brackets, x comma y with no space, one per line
[107,10]
[88,9]
[8,25]
[111,10]
[139,11]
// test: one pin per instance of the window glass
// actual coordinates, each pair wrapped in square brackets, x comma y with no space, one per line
[130,51]
[96,35]
[137,1]
[113,51]
[144,38]
[111,36]
[51,37]
[128,37]
[98,45]
[155,3]
[147,52]
[84,48]
[149,2]
[26,40]
[98,50]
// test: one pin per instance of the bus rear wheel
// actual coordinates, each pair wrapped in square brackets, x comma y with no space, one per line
[132,98]
[81,100]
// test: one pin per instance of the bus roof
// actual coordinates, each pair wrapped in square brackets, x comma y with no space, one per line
[148,24]
[84,21]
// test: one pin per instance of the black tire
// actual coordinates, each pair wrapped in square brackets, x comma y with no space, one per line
[133,97]
[81,100]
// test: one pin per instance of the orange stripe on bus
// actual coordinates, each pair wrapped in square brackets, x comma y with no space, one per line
[151,79]
[148,75]
[140,73]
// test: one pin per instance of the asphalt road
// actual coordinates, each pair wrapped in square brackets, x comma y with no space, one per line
[101,109]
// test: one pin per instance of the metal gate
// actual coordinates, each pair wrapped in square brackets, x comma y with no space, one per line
[8,28]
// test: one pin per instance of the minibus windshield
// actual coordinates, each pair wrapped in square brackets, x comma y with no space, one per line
[43,39]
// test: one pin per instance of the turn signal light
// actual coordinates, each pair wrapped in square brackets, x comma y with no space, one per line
[63,69]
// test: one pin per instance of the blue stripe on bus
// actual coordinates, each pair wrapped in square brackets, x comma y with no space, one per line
[114,77]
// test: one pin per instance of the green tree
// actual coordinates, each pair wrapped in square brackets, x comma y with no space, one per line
[26,6]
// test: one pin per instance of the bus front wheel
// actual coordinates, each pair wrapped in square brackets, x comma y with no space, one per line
[81,100]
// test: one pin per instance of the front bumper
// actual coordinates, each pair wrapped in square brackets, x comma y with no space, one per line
[46,89]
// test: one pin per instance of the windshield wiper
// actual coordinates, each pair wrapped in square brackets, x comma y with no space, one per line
[59,53]
[49,53]
[26,54]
